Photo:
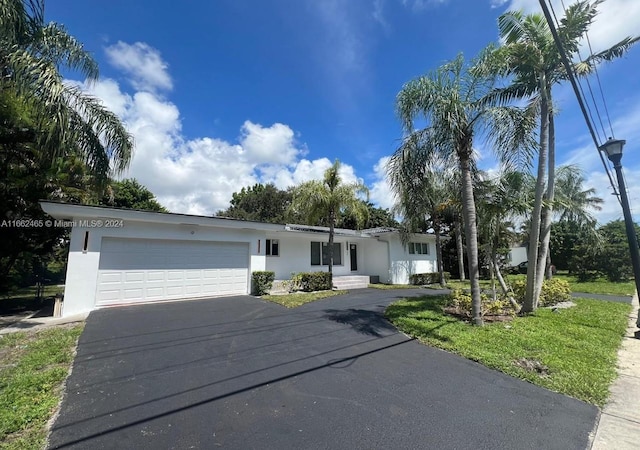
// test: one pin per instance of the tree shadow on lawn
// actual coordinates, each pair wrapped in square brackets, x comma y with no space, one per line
[413,310]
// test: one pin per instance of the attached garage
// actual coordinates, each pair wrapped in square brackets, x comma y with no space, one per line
[142,270]
[124,257]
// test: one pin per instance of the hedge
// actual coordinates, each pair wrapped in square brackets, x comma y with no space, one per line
[262,281]
[311,281]
[420,279]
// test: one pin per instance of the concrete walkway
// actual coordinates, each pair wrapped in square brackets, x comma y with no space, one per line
[619,424]
[34,323]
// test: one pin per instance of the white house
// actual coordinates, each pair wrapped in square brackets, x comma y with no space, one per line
[120,256]
[517,255]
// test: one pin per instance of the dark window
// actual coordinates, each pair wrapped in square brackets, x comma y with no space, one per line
[320,252]
[273,247]
[315,253]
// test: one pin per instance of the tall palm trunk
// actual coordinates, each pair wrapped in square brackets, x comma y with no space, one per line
[436,229]
[544,259]
[332,225]
[459,249]
[533,293]
[471,232]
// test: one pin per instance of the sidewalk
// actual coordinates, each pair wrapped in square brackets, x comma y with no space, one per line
[34,323]
[619,424]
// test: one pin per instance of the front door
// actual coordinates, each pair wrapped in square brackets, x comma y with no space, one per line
[353,252]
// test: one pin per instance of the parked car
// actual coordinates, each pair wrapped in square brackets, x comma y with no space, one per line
[524,265]
[520,268]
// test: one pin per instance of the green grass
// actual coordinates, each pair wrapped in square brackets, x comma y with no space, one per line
[393,286]
[300,298]
[600,286]
[33,366]
[578,345]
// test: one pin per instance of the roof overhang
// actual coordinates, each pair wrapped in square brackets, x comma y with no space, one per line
[68,211]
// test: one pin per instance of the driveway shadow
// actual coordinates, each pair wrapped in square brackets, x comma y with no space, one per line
[363,321]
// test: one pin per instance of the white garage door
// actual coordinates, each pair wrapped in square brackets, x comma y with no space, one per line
[139,270]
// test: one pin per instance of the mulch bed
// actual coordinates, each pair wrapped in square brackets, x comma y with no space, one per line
[488,318]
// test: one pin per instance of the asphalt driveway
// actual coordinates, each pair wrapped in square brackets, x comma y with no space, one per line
[242,373]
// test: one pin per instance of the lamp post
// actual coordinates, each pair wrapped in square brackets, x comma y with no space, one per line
[613,149]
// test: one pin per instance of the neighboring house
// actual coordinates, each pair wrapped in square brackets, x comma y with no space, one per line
[517,255]
[120,256]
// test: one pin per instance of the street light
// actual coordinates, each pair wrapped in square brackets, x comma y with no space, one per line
[613,149]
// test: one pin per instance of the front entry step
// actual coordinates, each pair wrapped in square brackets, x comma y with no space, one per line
[351,282]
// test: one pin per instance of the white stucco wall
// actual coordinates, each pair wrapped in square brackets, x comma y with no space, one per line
[404,264]
[295,255]
[82,268]
[517,255]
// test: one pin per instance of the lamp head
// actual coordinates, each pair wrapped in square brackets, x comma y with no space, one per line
[613,148]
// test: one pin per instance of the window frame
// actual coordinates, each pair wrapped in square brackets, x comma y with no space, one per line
[323,254]
[269,246]
[421,247]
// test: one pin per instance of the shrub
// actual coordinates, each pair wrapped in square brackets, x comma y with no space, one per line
[554,291]
[461,301]
[311,281]
[262,280]
[419,279]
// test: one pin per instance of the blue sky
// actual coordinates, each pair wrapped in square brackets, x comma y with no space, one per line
[221,95]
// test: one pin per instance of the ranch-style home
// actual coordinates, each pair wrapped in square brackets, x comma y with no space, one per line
[120,256]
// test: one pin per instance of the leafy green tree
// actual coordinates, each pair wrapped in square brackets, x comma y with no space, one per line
[259,203]
[328,199]
[63,119]
[573,247]
[376,218]
[530,57]
[423,193]
[130,194]
[613,259]
[452,101]
[56,142]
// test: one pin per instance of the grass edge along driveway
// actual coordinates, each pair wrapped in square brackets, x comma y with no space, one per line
[33,368]
[300,298]
[571,351]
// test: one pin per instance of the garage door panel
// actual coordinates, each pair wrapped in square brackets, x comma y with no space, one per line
[138,270]
[156,276]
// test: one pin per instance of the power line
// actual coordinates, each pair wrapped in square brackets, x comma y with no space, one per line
[576,89]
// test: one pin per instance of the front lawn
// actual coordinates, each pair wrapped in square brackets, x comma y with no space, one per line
[572,351]
[300,298]
[599,286]
[33,367]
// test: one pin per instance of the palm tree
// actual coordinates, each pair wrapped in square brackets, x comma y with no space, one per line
[66,120]
[326,199]
[451,100]
[573,201]
[529,55]
[423,195]
[502,200]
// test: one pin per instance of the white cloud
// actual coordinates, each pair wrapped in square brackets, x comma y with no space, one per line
[142,63]
[419,5]
[611,209]
[381,193]
[273,145]
[616,19]
[198,176]
[378,14]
